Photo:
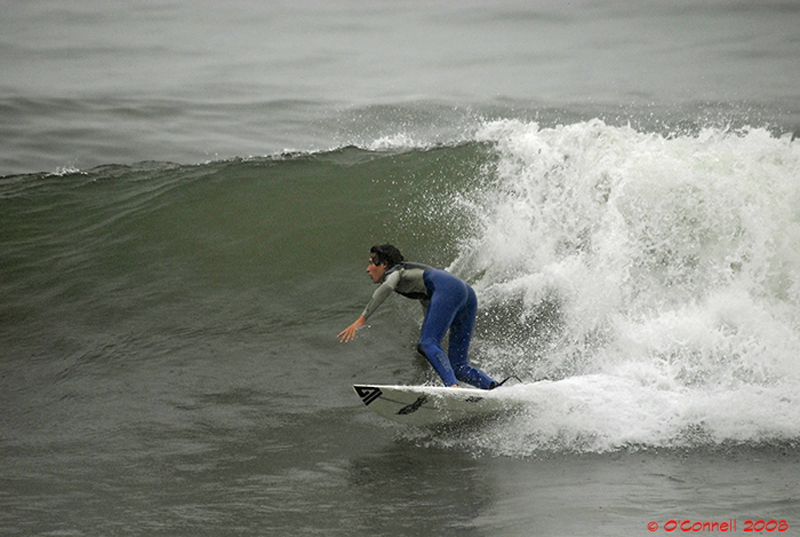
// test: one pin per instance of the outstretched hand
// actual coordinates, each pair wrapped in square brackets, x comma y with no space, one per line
[350,332]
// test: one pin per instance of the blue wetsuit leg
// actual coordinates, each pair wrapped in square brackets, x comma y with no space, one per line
[445,301]
[453,306]
[460,336]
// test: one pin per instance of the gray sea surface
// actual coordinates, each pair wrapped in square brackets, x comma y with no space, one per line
[188,194]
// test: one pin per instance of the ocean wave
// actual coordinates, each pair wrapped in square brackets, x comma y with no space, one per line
[653,279]
[650,280]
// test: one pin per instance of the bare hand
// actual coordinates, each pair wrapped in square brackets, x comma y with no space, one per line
[350,332]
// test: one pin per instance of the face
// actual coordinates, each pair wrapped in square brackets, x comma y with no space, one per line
[375,271]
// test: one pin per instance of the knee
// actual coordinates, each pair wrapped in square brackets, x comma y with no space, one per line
[426,342]
[428,347]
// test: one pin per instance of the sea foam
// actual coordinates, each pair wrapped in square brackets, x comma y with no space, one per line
[653,280]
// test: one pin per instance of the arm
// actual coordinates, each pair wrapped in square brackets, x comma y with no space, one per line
[380,294]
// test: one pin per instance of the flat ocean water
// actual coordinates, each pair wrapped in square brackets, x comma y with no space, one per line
[188,191]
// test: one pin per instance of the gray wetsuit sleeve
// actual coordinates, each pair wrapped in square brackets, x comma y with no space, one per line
[381,294]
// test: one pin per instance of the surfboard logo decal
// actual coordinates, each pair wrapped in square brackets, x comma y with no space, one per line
[413,407]
[368,394]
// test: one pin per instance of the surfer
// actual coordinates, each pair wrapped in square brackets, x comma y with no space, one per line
[449,304]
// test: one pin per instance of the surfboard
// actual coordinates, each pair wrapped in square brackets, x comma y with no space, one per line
[432,405]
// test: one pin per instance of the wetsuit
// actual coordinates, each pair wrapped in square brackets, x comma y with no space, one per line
[449,303]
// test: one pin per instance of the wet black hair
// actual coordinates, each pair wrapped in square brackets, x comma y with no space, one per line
[386,253]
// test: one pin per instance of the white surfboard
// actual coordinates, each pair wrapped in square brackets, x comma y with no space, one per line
[432,405]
